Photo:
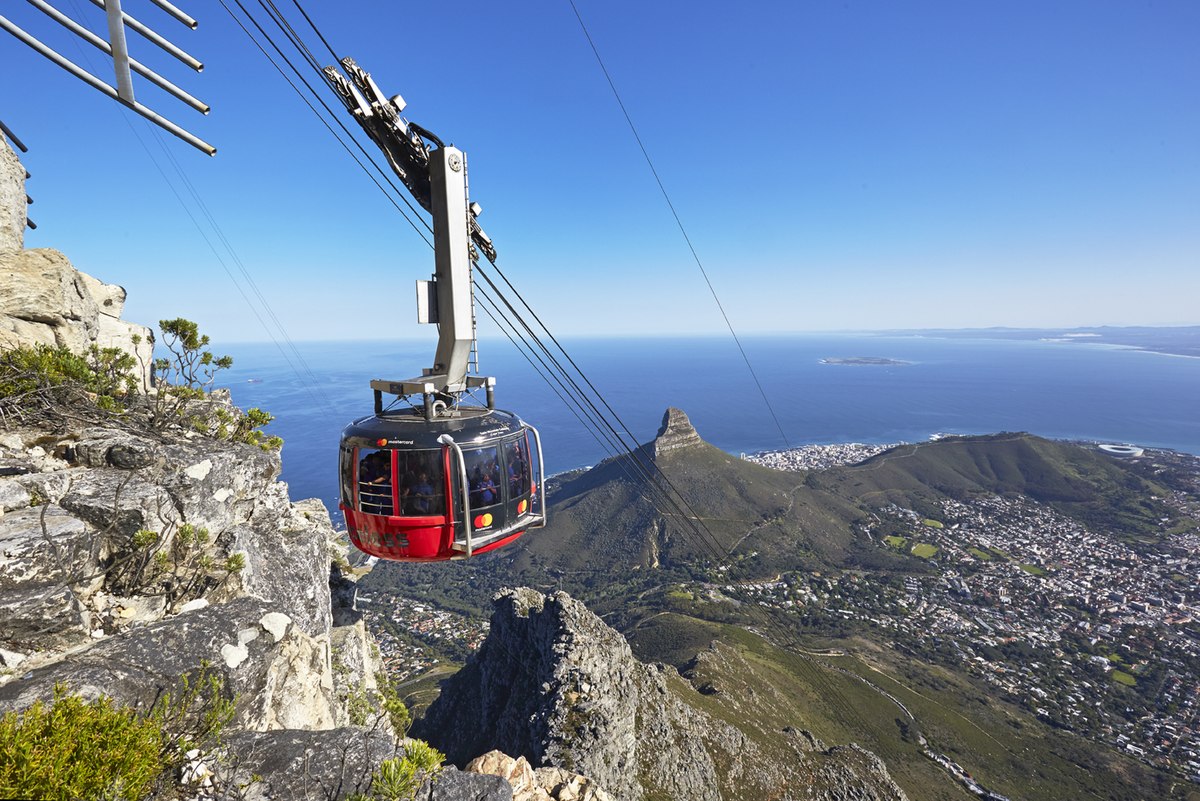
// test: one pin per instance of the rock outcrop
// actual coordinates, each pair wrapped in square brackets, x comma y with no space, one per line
[46,301]
[554,684]
[542,784]
[676,433]
[12,200]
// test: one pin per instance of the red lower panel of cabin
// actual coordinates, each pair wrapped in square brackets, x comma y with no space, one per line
[413,539]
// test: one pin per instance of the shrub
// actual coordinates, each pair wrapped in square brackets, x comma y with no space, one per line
[180,571]
[72,748]
[184,380]
[392,704]
[78,749]
[56,382]
[192,365]
[398,779]
[194,715]
[45,374]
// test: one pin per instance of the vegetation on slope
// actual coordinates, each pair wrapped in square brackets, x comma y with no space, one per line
[54,387]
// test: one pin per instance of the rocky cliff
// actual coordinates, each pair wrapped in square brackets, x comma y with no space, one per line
[554,684]
[46,301]
[128,563]
[676,433]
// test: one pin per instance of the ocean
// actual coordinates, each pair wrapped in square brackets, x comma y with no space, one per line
[1067,390]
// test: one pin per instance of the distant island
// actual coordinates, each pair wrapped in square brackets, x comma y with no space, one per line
[1167,340]
[874,361]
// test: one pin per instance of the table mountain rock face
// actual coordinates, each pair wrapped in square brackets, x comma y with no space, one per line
[133,560]
[46,301]
[554,684]
[12,200]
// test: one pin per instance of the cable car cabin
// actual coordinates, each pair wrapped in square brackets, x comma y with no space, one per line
[420,490]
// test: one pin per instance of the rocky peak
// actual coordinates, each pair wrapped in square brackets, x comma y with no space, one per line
[554,684]
[676,433]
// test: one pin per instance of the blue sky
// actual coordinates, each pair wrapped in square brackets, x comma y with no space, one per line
[837,166]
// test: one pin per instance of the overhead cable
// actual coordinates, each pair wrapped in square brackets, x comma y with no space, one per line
[679,222]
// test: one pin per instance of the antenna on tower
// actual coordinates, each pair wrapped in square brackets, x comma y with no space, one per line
[124,66]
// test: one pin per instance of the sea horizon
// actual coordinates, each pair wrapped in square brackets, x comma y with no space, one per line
[955,385]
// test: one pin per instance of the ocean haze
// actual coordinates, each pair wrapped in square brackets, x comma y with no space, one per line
[970,385]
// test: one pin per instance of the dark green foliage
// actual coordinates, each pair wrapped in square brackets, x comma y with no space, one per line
[37,377]
[393,705]
[399,778]
[53,385]
[72,748]
[192,365]
[184,381]
[179,567]
[194,714]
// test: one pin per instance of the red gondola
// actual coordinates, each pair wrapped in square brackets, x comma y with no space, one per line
[442,479]
[418,490]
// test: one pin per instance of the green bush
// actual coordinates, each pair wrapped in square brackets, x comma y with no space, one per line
[391,703]
[41,369]
[184,381]
[180,572]
[399,779]
[40,377]
[78,749]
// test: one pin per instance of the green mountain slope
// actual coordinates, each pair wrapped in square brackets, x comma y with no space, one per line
[613,518]
[1082,483]
[841,694]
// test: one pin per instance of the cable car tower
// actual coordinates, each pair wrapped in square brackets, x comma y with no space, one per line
[439,479]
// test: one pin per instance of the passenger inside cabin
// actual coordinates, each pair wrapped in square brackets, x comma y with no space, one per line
[421,497]
[487,490]
[517,471]
[375,483]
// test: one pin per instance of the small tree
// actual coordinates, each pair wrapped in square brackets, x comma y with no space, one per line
[193,365]
[184,381]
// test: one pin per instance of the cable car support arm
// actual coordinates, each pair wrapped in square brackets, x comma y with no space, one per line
[437,179]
